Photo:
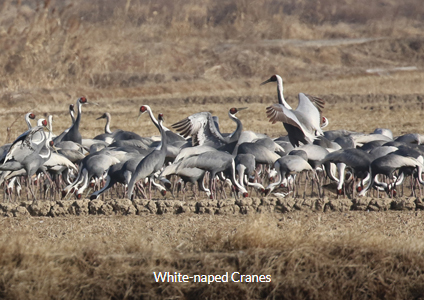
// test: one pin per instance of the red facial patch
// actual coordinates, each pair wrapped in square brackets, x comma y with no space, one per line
[44,123]
[83,100]
[31,116]
[51,143]
[143,108]
[233,111]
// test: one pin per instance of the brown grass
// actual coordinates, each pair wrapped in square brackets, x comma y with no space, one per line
[309,256]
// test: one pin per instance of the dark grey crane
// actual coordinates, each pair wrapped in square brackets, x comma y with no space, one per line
[74,134]
[152,163]
[59,138]
[357,160]
[388,164]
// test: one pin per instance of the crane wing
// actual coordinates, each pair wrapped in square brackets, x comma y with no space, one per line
[201,127]
[278,112]
[318,102]
[309,109]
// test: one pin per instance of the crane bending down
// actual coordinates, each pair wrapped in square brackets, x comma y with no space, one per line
[215,162]
[303,124]
[388,164]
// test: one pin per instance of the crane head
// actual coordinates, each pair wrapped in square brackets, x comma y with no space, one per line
[71,107]
[324,122]
[143,109]
[82,100]
[104,116]
[273,78]
[161,118]
[234,110]
[31,116]
[42,122]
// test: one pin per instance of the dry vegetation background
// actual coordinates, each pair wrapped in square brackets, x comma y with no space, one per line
[186,56]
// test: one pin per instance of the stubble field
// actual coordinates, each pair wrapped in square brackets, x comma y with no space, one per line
[189,57]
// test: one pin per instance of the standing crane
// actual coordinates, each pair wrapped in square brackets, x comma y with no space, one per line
[73,134]
[152,163]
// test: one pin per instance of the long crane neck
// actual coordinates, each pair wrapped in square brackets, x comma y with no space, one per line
[107,126]
[163,141]
[236,134]
[152,117]
[281,99]
[71,113]
[28,121]
[78,119]
[154,120]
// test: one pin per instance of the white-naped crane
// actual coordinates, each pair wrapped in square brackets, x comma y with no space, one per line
[387,165]
[58,138]
[94,165]
[26,152]
[286,166]
[192,175]
[356,160]
[73,133]
[214,162]
[28,117]
[202,128]
[150,164]
[172,137]
[303,124]
[108,135]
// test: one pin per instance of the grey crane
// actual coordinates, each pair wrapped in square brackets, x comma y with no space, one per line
[172,137]
[152,163]
[303,124]
[59,138]
[27,152]
[94,165]
[73,134]
[356,159]
[192,175]
[388,164]
[214,162]
[288,165]
[108,135]
[245,167]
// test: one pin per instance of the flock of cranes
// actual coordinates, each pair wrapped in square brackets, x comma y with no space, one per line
[68,165]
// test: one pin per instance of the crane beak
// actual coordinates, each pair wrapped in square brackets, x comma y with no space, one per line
[101,117]
[93,103]
[242,108]
[139,114]
[265,82]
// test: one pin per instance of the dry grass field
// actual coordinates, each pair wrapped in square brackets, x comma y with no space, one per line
[187,56]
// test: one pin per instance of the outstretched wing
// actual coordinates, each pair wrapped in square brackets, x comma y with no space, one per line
[201,127]
[278,112]
[24,144]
